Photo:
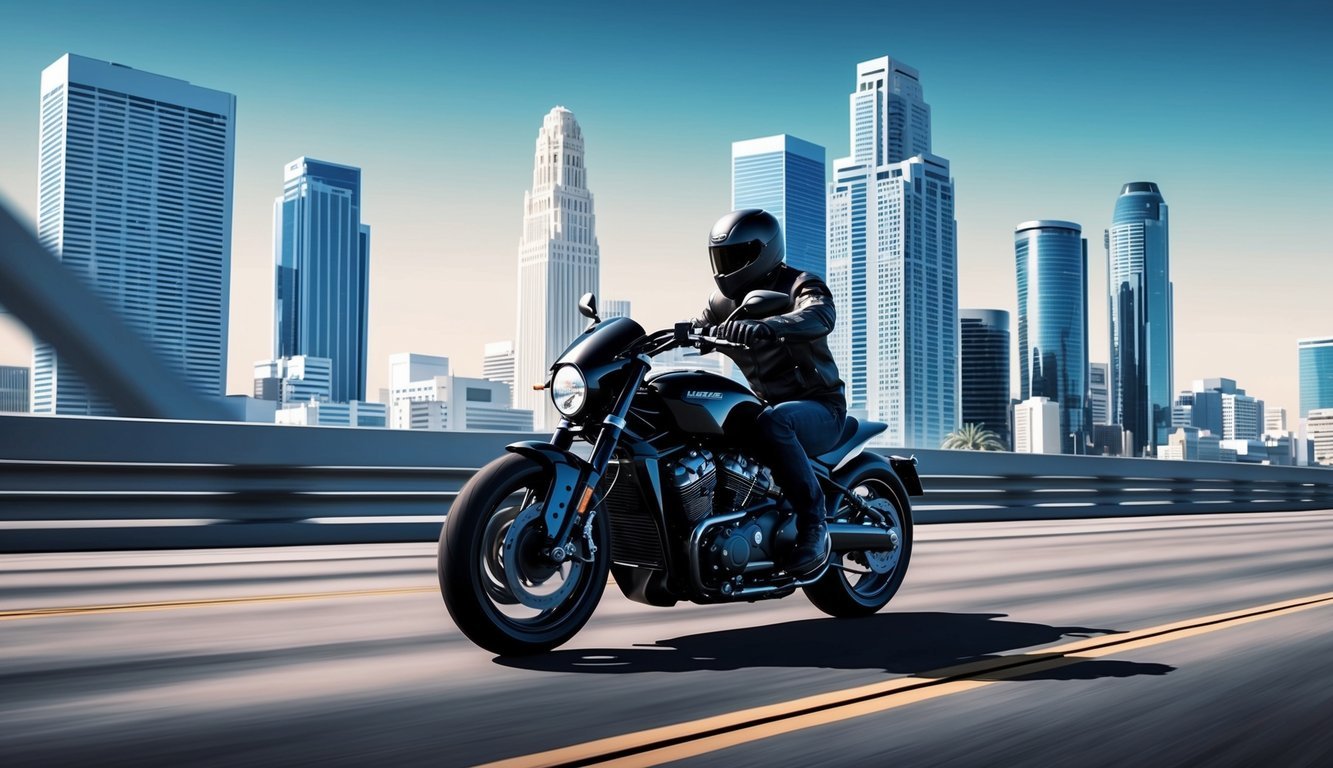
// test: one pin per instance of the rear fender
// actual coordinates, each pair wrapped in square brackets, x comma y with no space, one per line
[901,487]
[905,469]
[567,475]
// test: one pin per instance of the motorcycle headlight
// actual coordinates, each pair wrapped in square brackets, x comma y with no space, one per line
[569,390]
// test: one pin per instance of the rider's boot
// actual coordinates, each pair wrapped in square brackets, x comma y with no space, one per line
[811,551]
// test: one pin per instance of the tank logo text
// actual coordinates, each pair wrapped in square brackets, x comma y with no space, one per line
[700,395]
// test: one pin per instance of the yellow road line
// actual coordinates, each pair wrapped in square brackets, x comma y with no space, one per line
[164,605]
[683,740]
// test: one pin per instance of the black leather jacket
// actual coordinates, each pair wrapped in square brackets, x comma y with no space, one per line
[800,366]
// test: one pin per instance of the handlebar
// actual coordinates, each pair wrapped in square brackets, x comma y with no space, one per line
[685,335]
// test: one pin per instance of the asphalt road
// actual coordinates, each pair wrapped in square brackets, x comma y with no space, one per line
[352,659]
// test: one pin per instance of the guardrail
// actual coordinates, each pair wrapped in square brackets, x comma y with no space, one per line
[69,483]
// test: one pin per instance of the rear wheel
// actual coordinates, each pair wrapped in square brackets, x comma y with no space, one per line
[861,583]
[500,585]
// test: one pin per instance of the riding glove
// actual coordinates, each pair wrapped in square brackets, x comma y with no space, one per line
[751,333]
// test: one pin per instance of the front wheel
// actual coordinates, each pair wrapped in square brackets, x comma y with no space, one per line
[498,583]
[861,583]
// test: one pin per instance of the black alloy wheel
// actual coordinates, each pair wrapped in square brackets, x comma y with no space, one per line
[498,581]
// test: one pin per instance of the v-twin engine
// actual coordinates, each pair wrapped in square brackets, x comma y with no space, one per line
[704,484]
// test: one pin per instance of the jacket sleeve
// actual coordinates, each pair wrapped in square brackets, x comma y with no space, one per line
[812,314]
[704,318]
[715,311]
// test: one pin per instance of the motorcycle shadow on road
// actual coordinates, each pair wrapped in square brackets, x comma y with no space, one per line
[897,643]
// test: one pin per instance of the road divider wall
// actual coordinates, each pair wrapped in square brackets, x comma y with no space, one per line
[71,483]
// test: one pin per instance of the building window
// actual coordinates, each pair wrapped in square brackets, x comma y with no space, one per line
[478,395]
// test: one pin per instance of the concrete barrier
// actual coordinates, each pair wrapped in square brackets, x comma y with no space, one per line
[70,483]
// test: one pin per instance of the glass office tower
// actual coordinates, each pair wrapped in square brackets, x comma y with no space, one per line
[1141,316]
[985,370]
[134,196]
[893,263]
[784,175]
[1316,372]
[1051,259]
[322,255]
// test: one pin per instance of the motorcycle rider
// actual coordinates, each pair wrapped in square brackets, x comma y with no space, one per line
[787,362]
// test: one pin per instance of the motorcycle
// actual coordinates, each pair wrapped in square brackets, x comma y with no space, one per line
[669,502]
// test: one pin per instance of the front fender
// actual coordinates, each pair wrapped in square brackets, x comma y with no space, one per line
[567,475]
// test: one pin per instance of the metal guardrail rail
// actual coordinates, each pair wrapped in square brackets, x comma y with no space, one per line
[69,483]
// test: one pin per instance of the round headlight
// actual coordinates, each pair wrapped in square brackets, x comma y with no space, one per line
[569,390]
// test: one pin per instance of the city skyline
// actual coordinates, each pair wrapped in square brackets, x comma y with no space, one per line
[1086,163]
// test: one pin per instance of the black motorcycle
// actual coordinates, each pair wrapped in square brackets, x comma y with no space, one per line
[670,502]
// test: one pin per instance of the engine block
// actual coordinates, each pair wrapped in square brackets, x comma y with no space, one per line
[742,481]
[694,480]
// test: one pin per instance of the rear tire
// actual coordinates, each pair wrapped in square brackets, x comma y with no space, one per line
[835,593]
[477,597]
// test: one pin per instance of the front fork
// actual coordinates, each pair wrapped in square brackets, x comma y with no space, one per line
[574,484]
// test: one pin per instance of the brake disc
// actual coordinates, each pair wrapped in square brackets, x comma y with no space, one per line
[885,560]
[526,569]
[493,540]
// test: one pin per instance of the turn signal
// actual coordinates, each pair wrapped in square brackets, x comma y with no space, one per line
[587,498]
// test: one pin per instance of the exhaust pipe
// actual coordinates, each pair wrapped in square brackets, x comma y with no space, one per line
[847,537]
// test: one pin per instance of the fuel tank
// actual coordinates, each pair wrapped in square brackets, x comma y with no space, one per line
[705,403]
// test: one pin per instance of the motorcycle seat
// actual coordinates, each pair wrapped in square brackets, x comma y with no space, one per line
[854,434]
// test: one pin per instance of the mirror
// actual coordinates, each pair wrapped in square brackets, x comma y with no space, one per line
[588,306]
[765,303]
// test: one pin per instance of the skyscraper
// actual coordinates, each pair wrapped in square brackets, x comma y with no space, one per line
[1099,377]
[892,262]
[558,260]
[784,175]
[1316,371]
[134,196]
[1051,261]
[13,389]
[1141,315]
[985,369]
[321,279]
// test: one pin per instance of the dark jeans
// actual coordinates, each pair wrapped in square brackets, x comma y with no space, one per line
[789,433]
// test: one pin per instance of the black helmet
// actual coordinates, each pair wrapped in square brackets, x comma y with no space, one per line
[745,247]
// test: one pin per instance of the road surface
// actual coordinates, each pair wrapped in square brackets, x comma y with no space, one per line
[1144,641]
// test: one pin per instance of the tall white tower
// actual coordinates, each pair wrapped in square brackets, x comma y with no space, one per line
[893,263]
[134,196]
[557,260]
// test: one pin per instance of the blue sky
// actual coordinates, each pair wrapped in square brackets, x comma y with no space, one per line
[1044,110]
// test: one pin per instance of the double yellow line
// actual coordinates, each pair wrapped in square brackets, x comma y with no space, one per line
[690,739]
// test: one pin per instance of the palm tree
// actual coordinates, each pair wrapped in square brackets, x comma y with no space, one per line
[972,437]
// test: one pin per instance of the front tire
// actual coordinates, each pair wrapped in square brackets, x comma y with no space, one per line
[866,581]
[518,604]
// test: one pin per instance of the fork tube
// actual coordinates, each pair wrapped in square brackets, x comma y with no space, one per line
[614,423]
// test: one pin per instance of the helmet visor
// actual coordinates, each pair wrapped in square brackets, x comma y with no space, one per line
[734,257]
